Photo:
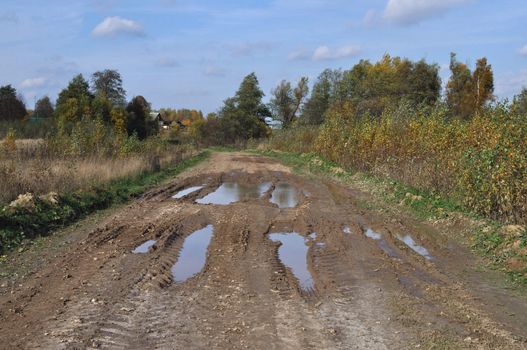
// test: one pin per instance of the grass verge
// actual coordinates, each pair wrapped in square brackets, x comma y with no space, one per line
[38,216]
[504,246]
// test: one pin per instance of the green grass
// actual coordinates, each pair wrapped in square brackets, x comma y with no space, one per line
[429,205]
[19,224]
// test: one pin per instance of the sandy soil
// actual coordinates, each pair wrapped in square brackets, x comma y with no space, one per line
[368,293]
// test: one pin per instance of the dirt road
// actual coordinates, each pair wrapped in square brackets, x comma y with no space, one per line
[252,256]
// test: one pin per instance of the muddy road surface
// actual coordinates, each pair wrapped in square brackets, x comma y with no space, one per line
[241,253]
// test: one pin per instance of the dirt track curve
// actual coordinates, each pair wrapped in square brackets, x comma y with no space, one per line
[369,290]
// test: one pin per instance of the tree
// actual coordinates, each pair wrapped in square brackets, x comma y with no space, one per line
[468,92]
[74,102]
[11,106]
[323,95]
[483,78]
[242,117]
[424,83]
[139,121]
[101,108]
[44,108]
[520,102]
[118,118]
[459,89]
[248,98]
[77,88]
[371,88]
[286,101]
[109,84]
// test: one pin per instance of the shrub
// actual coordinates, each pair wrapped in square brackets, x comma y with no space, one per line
[481,161]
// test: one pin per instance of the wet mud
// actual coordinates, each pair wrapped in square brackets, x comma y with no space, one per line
[239,253]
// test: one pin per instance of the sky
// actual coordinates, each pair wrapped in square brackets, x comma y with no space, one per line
[194,54]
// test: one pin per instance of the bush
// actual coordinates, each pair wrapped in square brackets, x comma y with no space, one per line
[481,162]
[295,140]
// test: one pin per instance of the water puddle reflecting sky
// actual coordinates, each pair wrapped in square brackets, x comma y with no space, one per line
[372,234]
[284,195]
[144,248]
[231,192]
[193,255]
[382,243]
[293,254]
[409,241]
[187,191]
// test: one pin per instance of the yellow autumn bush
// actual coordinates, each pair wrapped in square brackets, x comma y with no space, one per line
[481,161]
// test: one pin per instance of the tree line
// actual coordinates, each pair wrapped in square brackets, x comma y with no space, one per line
[103,100]
[370,88]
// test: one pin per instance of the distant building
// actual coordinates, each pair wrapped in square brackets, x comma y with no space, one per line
[165,123]
[157,117]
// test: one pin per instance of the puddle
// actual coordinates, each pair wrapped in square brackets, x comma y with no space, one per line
[382,243]
[231,192]
[409,241]
[388,249]
[187,191]
[144,248]
[346,230]
[284,195]
[293,254]
[193,255]
[373,235]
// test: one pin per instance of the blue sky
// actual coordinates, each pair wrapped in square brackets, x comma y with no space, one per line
[193,54]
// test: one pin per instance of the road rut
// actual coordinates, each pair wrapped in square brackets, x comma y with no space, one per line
[369,291]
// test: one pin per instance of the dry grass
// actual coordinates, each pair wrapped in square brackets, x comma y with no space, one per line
[30,169]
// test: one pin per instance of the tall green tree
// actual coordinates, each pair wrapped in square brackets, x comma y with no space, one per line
[109,84]
[248,98]
[11,105]
[286,101]
[138,120]
[242,117]
[424,83]
[44,108]
[74,102]
[323,94]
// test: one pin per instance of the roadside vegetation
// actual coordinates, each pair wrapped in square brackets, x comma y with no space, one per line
[88,151]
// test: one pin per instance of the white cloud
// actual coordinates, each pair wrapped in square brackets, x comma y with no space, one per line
[32,83]
[299,55]
[408,12]
[324,53]
[523,51]
[112,26]
[214,71]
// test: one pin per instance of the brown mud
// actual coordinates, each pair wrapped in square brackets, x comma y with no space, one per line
[367,292]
